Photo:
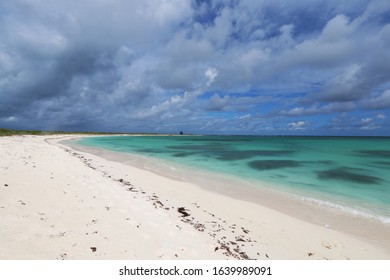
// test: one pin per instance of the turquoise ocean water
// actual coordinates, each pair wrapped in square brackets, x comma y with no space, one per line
[349,173]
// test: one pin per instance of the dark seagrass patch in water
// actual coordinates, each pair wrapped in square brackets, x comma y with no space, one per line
[273,164]
[347,174]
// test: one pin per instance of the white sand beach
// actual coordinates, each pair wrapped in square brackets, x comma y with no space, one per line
[60,203]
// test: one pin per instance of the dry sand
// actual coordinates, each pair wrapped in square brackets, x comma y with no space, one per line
[60,203]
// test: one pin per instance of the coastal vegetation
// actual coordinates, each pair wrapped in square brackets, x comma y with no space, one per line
[10,132]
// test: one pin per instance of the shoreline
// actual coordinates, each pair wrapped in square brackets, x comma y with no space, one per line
[204,227]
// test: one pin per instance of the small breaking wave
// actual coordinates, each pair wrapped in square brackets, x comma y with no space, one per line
[346,209]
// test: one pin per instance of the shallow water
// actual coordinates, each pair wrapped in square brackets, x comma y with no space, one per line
[349,173]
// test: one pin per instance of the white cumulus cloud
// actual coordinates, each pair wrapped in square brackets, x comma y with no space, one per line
[300,125]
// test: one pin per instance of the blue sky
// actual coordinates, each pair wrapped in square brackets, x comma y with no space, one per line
[301,67]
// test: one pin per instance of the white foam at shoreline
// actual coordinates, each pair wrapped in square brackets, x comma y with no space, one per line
[345,209]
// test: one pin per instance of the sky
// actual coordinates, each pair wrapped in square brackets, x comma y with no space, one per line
[301,67]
